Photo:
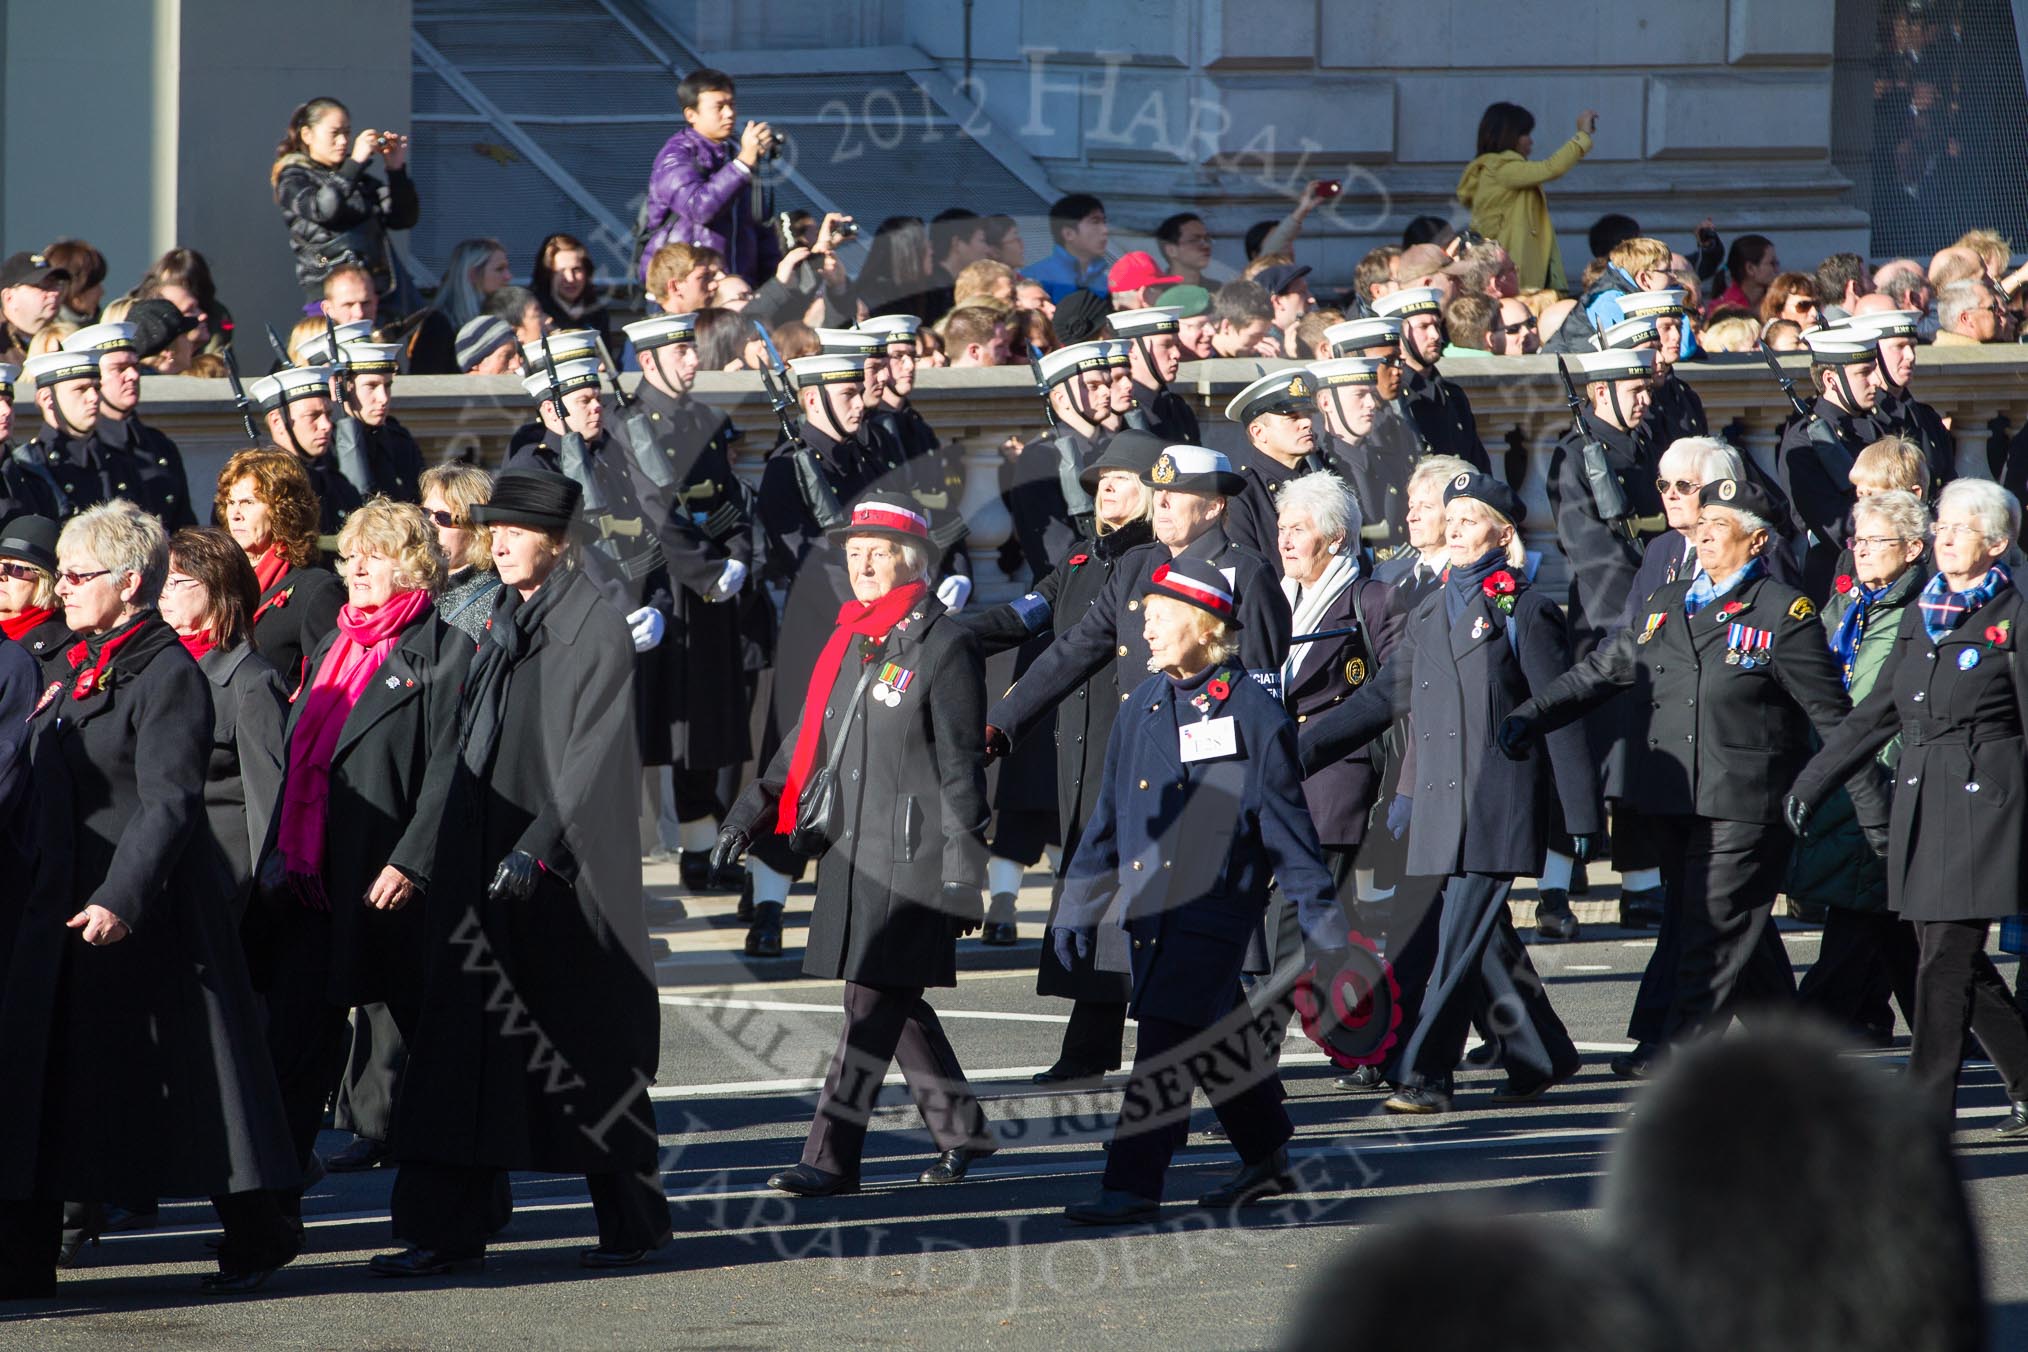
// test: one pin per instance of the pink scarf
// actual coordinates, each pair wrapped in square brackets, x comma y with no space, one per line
[362,645]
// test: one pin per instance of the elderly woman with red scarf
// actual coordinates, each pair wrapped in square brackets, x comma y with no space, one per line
[891,726]
[371,747]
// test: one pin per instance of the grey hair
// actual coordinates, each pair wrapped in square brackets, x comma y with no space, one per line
[1957,297]
[1328,502]
[123,539]
[1749,523]
[1709,458]
[1442,468]
[1901,512]
[1997,511]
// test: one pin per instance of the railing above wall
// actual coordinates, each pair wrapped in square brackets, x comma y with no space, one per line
[1518,402]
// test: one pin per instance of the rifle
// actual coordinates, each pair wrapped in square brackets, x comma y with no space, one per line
[1606,494]
[1782,378]
[281,348]
[818,496]
[348,434]
[239,399]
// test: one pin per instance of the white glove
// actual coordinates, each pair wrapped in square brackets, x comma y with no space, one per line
[730,580]
[954,591]
[646,626]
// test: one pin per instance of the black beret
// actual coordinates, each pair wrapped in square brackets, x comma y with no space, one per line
[1741,495]
[1081,316]
[157,324]
[1485,488]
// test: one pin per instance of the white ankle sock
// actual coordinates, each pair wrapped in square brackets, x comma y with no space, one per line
[768,884]
[1003,875]
[1556,872]
[697,837]
[1640,880]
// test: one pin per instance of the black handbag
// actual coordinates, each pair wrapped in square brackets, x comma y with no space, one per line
[820,807]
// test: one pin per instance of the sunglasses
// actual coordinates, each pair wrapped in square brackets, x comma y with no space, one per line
[1519,326]
[1683,486]
[445,520]
[20,572]
[77,579]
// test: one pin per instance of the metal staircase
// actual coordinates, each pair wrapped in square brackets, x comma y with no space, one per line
[532,118]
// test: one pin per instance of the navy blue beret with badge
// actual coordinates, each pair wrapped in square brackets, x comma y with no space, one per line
[1485,488]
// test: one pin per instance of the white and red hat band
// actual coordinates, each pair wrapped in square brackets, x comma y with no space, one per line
[1211,598]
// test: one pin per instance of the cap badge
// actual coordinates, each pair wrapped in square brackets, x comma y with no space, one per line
[1728,490]
[1462,481]
[1164,471]
[1297,387]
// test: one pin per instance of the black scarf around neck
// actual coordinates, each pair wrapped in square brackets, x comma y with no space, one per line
[514,633]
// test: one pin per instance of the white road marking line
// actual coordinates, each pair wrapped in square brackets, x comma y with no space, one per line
[1580,967]
[790,1007]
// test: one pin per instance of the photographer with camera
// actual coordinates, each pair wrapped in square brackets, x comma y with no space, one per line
[704,188]
[336,211]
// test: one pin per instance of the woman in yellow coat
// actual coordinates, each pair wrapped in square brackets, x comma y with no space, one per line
[1503,188]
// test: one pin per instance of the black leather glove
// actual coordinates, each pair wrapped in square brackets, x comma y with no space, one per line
[997,744]
[1584,847]
[515,879]
[963,904]
[1516,735]
[1796,813]
[1071,944]
[731,845]
[1876,839]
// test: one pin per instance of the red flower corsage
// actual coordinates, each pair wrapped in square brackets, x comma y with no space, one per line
[1732,607]
[1997,634]
[1843,582]
[1076,559]
[1500,588]
[1219,689]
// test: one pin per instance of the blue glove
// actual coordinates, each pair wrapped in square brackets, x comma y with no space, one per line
[1397,815]
[1065,939]
[1584,847]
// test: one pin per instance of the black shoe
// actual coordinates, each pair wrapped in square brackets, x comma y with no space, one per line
[807,1180]
[1553,919]
[426,1262]
[764,939]
[364,1153]
[1638,1064]
[120,1219]
[1484,1056]
[236,1283]
[2015,1123]
[34,1286]
[999,934]
[1420,1099]
[73,1246]
[604,1259]
[1523,1091]
[1641,909]
[1364,1078]
[1256,1182]
[744,911]
[953,1165]
[1066,1073]
[693,869]
[1113,1207]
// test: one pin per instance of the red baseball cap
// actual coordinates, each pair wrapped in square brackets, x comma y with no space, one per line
[1136,270]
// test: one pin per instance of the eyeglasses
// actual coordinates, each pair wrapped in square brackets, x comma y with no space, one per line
[178,581]
[445,520]
[1684,486]
[1942,532]
[74,578]
[1519,326]
[1868,544]
[20,572]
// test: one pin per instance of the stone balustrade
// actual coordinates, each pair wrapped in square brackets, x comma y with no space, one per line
[1519,403]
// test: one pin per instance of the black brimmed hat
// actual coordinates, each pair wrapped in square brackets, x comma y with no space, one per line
[530,497]
[30,539]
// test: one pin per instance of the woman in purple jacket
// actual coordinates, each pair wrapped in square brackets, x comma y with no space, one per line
[702,188]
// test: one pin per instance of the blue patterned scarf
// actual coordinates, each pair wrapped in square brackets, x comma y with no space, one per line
[1944,610]
[1704,591]
[1852,626]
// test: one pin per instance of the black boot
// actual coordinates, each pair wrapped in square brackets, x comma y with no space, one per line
[999,929]
[764,937]
[694,868]
[1553,918]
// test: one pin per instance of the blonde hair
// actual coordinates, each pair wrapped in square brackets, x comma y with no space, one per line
[399,531]
[978,278]
[1262,262]
[1732,334]
[1889,464]
[123,539]
[1991,247]
[1219,645]
[305,330]
[1639,254]
[463,487]
[1517,552]
[1146,498]
[116,311]
[671,263]
[49,338]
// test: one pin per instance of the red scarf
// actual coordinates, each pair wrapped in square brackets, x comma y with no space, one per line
[17,627]
[88,680]
[363,643]
[270,568]
[198,644]
[856,619]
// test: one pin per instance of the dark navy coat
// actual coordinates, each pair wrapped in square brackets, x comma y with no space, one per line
[1192,847]
[1319,677]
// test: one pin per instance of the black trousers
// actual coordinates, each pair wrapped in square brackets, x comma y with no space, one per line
[257,1235]
[1481,965]
[1717,952]
[1956,988]
[696,793]
[1411,952]
[308,1036]
[456,1207]
[1863,955]
[1022,834]
[1171,1061]
[1095,1034]
[885,1026]
[373,1070]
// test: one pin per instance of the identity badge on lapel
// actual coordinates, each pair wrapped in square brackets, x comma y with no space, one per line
[1209,738]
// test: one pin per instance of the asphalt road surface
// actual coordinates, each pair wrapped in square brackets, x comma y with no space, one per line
[903,1265]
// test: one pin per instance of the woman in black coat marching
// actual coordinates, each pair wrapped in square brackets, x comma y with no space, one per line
[1475,651]
[368,765]
[129,1037]
[1955,689]
[539,1030]
[890,726]
[1099,983]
